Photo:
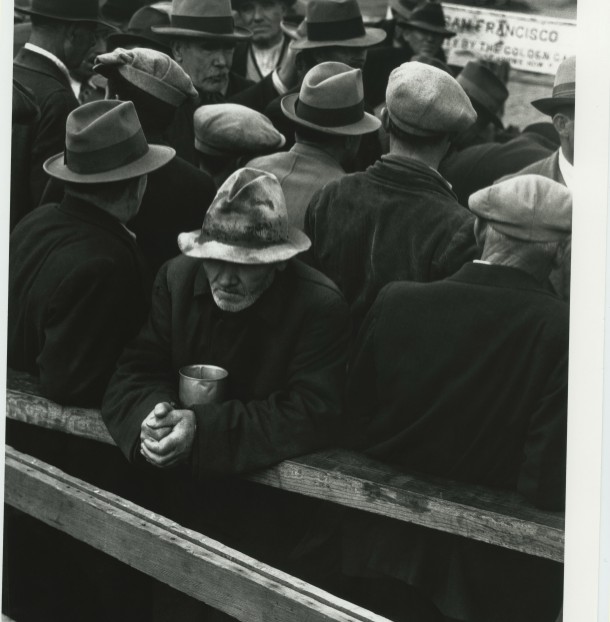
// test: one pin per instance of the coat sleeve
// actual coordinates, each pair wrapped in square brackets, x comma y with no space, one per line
[92,315]
[237,437]
[143,376]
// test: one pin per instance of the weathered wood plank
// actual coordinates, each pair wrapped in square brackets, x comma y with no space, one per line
[188,561]
[497,517]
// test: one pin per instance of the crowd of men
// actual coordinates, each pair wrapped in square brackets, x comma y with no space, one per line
[339,219]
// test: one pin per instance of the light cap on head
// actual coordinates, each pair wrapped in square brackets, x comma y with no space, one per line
[527,207]
[233,130]
[426,101]
[247,223]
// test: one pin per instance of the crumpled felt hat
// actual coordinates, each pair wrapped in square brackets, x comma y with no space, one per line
[331,100]
[203,19]
[430,17]
[484,88]
[139,29]
[234,130]
[247,223]
[426,101]
[67,11]
[151,71]
[564,88]
[332,22]
[105,143]
[527,207]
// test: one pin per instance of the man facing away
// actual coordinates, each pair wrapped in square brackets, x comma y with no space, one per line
[466,379]
[398,220]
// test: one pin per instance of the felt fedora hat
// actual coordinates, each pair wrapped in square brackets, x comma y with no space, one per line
[430,17]
[564,88]
[104,143]
[403,8]
[484,88]
[247,223]
[333,22]
[203,19]
[139,29]
[331,100]
[67,10]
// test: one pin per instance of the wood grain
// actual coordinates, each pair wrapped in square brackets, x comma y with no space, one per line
[501,518]
[188,561]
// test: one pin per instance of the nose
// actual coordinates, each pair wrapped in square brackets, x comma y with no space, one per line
[227,276]
[220,59]
[258,13]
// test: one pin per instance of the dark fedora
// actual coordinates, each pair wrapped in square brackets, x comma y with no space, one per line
[332,22]
[331,100]
[120,10]
[564,88]
[67,10]
[429,17]
[139,30]
[105,143]
[247,223]
[484,88]
[203,19]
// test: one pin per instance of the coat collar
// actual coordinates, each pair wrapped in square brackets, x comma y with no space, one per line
[311,151]
[498,276]
[269,307]
[41,64]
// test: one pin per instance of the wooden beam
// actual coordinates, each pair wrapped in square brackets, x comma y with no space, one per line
[493,516]
[184,559]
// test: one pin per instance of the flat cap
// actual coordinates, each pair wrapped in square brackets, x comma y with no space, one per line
[426,101]
[526,207]
[234,130]
[151,71]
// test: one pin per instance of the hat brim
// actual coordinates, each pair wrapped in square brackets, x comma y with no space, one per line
[239,34]
[366,125]
[196,244]
[438,30]
[156,157]
[124,39]
[549,105]
[399,9]
[99,20]
[372,37]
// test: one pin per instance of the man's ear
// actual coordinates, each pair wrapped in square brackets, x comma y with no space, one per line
[384,115]
[177,50]
[281,266]
[480,231]
[560,122]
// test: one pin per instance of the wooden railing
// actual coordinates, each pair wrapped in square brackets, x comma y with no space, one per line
[496,517]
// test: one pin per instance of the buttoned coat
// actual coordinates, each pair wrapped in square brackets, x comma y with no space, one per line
[55,99]
[465,379]
[398,220]
[302,171]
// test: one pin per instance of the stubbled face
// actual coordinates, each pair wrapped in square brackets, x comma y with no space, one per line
[423,41]
[262,18]
[83,43]
[206,62]
[236,287]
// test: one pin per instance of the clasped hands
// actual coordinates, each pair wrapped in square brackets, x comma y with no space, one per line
[167,435]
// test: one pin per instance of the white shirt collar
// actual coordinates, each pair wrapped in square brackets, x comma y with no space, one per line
[567,170]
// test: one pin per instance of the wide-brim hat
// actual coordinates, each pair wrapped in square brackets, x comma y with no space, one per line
[139,29]
[247,223]
[484,88]
[67,11]
[105,143]
[564,89]
[209,19]
[331,100]
[330,23]
[430,17]
[404,8]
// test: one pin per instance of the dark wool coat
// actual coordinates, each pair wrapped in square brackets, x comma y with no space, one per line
[464,379]
[396,221]
[286,360]
[56,100]
[78,291]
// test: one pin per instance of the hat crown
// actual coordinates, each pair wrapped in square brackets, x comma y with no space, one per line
[197,8]
[72,10]
[430,13]
[332,10]
[527,207]
[249,210]
[146,17]
[482,85]
[565,78]
[332,85]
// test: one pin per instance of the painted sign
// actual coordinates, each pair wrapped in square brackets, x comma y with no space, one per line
[528,42]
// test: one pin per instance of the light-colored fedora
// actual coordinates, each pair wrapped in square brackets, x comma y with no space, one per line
[484,88]
[332,22]
[247,223]
[564,88]
[203,19]
[331,100]
[105,143]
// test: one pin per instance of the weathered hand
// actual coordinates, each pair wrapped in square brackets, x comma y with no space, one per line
[174,447]
[287,71]
[156,425]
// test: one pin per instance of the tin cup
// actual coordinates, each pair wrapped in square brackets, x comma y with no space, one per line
[202,384]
